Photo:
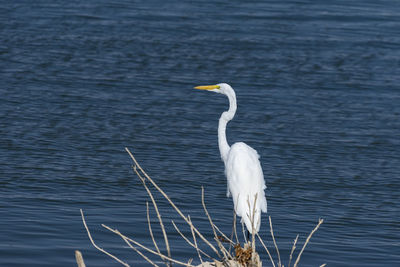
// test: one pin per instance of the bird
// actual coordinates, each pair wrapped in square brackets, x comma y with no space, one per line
[245,178]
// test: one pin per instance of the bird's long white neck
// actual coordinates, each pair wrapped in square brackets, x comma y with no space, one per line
[223,121]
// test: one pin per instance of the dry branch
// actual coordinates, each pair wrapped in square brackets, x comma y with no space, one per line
[273,239]
[99,248]
[79,259]
[188,241]
[195,243]
[158,216]
[266,249]
[293,248]
[164,257]
[242,256]
[171,203]
[150,229]
[221,247]
[308,239]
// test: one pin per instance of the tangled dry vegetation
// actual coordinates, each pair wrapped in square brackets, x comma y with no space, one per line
[227,251]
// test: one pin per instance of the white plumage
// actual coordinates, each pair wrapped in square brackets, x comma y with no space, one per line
[245,181]
[242,167]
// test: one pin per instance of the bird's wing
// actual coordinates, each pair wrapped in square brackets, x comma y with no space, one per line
[245,179]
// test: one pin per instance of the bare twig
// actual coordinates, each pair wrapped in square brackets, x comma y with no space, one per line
[223,235]
[195,243]
[158,215]
[273,239]
[99,248]
[253,241]
[253,257]
[266,249]
[150,230]
[221,247]
[248,250]
[251,215]
[189,242]
[172,203]
[244,235]
[138,252]
[308,239]
[293,248]
[164,257]
[79,259]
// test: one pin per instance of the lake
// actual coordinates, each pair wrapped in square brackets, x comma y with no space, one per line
[318,97]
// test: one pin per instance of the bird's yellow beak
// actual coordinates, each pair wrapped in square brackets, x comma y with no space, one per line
[207,87]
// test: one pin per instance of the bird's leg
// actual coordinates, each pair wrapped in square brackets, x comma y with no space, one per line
[233,230]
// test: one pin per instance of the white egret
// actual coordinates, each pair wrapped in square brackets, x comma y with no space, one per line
[242,166]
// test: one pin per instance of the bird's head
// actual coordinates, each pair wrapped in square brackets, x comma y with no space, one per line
[221,88]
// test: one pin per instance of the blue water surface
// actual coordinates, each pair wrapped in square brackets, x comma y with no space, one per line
[318,97]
